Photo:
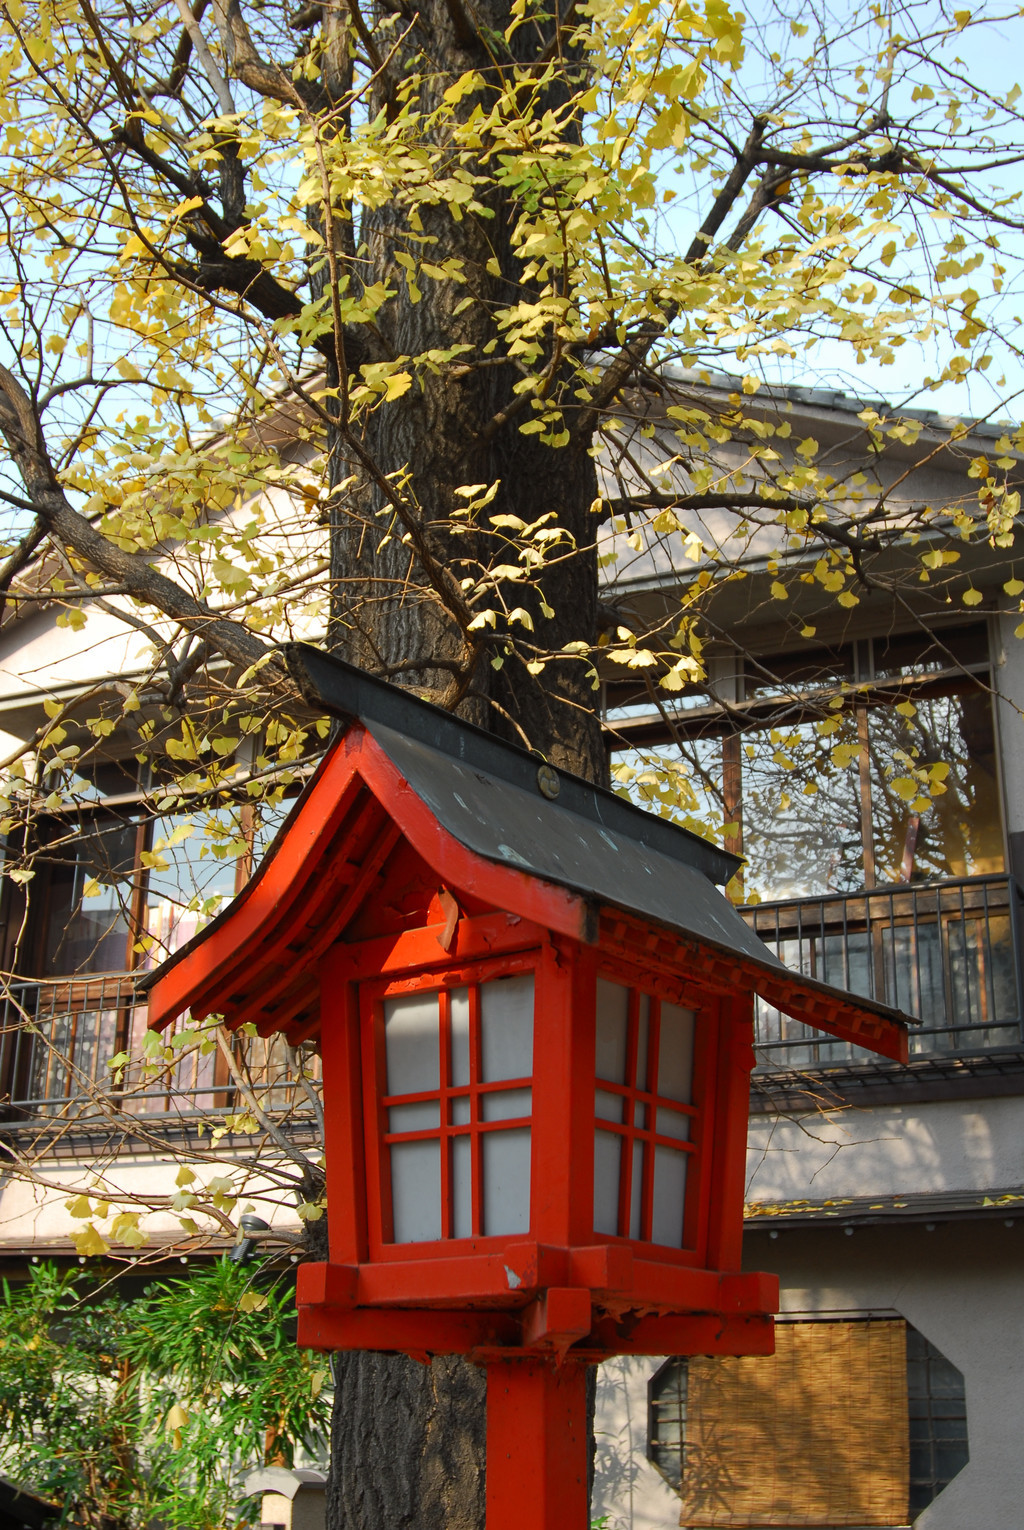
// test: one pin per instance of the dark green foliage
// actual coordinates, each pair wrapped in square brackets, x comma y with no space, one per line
[126,1411]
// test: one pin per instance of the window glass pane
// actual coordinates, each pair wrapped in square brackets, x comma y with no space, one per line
[267,820]
[460,1110]
[642,1038]
[612,1029]
[88,909]
[505,1104]
[959,832]
[682,782]
[506,1027]
[669,1197]
[414,1118]
[96,779]
[459,1021]
[411,1043]
[192,877]
[797,674]
[608,1106]
[506,1166]
[801,810]
[927,653]
[635,1189]
[416,1191]
[607,1158]
[625,703]
[462,1188]
[671,1123]
[675,1054]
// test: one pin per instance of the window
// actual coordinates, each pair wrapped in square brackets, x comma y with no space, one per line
[850,1423]
[455,1108]
[117,888]
[645,1117]
[937,1409]
[814,770]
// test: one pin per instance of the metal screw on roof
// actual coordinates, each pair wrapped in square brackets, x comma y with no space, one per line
[548,783]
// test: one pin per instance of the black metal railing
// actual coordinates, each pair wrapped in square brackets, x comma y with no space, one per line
[58,1041]
[947,953]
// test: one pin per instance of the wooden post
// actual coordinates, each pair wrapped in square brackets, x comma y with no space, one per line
[536,1445]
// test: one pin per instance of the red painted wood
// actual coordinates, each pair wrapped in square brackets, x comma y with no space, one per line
[729,1147]
[237,957]
[552,1180]
[536,1446]
[688,1334]
[476,939]
[444,1039]
[629,938]
[557,1319]
[337,899]
[488,1335]
[609,1278]
[343,1117]
[419,1332]
[475,1140]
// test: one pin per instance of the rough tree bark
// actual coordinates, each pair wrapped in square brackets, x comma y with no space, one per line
[408,1440]
[457,428]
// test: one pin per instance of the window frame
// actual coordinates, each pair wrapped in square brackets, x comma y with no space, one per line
[667,1457]
[471,973]
[733,722]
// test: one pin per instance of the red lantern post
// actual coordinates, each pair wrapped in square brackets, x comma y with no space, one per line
[536,1024]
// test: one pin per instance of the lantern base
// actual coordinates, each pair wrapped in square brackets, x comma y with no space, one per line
[537,1445]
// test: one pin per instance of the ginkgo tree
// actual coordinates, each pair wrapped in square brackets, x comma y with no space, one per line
[385,323]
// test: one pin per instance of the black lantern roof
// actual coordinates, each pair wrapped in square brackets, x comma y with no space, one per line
[509,807]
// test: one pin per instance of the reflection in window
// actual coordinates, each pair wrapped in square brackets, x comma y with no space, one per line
[960,833]
[800,809]
[187,882]
[88,901]
[821,780]
[268,819]
[682,782]
[114,883]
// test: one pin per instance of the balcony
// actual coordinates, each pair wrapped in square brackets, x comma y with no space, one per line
[946,952]
[57,1040]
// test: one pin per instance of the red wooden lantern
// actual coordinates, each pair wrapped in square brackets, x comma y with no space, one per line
[535,1014]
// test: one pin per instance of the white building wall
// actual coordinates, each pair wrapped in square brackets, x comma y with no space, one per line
[945,1145]
[35,1212]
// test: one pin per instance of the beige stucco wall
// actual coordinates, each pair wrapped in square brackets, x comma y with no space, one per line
[943,1145]
[35,1211]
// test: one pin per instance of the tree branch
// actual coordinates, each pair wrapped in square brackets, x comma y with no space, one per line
[218,83]
[20,427]
[633,353]
[251,69]
[19,559]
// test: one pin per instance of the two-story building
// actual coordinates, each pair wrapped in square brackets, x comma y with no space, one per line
[867,759]
[890,1200]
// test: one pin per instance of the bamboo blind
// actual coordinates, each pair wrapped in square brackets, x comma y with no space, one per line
[815,1434]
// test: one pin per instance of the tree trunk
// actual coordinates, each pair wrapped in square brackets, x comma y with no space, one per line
[407,1439]
[407,1444]
[389,614]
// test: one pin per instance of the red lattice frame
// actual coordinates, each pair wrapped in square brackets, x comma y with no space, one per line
[377,1103]
[698,1112]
